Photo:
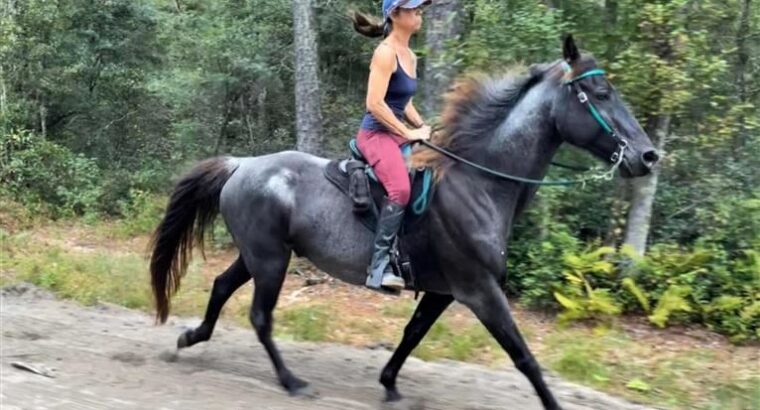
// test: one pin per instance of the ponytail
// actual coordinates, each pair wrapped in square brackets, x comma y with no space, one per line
[369,26]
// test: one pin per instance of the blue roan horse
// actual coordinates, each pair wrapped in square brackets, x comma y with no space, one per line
[277,204]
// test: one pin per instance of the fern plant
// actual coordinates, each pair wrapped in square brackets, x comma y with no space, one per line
[579,297]
[672,301]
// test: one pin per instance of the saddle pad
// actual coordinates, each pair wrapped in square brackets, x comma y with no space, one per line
[422,193]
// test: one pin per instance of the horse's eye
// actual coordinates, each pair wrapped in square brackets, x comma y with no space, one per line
[602,95]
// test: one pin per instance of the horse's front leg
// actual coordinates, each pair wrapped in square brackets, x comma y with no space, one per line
[489,304]
[428,311]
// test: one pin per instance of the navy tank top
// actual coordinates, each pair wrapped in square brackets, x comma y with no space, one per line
[401,89]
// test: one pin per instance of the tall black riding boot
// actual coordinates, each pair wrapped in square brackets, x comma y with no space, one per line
[380,273]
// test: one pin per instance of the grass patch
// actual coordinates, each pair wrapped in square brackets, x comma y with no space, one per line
[401,309]
[86,278]
[582,364]
[736,395]
[472,343]
[678,379]
[305,323]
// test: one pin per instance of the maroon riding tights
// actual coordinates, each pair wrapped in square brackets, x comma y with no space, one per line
[382,152]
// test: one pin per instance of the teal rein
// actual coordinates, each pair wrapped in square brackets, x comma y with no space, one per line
[423,200]
[564,182]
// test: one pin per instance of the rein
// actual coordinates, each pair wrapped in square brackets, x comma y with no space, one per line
[616,158]
[607,175]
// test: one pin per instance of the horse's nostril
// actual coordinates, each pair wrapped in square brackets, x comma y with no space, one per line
[650,157]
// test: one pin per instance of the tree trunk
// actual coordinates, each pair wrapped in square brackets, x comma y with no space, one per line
[221,139]
[308,111]
[616,224]
[9,8]
[3,98]
[742,61]
[643,191]
[261,119]
[43,120]
[611,27]
[245,111]
[444,22]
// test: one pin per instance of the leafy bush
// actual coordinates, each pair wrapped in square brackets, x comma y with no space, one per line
[141,211]
[535,267]
[697,286]
[46,176]
[580,299]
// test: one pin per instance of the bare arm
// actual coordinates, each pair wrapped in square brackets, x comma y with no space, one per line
[412,116]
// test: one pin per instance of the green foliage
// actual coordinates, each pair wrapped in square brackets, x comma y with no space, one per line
[638,384]
[583,301]
[672,301]
[630,285]
[507,32]
[44,175]
[535,267]
[686,287]
[141,212]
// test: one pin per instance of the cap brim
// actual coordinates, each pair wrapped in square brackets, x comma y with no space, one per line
[413,4]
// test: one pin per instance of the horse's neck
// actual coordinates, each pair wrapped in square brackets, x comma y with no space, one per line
[523,145]
[526,141]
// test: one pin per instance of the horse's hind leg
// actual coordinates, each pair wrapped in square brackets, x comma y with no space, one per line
[224,286]
[428,311]
[269,267]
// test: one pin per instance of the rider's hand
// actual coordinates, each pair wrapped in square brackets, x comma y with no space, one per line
[422,133]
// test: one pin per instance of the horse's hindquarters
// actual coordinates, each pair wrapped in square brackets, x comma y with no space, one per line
[285,198]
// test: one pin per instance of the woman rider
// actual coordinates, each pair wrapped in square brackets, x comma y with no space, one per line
[392,84]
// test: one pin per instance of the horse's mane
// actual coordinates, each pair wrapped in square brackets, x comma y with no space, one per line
[473,108]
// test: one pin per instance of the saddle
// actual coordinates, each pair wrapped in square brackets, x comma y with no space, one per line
[356,179]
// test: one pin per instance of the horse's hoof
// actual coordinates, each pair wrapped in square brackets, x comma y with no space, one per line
[393,396]
[169,357]
[305,391]
[183,340]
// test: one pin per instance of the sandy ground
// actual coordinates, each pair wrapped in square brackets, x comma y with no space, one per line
[108,357]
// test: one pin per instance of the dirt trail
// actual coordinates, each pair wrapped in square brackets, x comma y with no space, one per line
[114,358]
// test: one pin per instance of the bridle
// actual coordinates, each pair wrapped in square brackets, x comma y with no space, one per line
[617,156]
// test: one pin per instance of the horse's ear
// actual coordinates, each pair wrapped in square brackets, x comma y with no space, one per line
[569,50]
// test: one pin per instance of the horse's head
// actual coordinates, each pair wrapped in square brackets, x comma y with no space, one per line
[590,114]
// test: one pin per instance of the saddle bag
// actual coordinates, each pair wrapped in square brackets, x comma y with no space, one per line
[358,186]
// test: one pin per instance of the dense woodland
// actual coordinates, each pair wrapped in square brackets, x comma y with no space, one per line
[104,102]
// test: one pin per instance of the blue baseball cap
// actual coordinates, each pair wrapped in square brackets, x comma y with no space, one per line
[390,5]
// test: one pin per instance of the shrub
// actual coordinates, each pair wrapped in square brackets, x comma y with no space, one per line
[685,286]
[48,177]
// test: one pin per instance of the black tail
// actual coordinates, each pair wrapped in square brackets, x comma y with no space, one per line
[192,208]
